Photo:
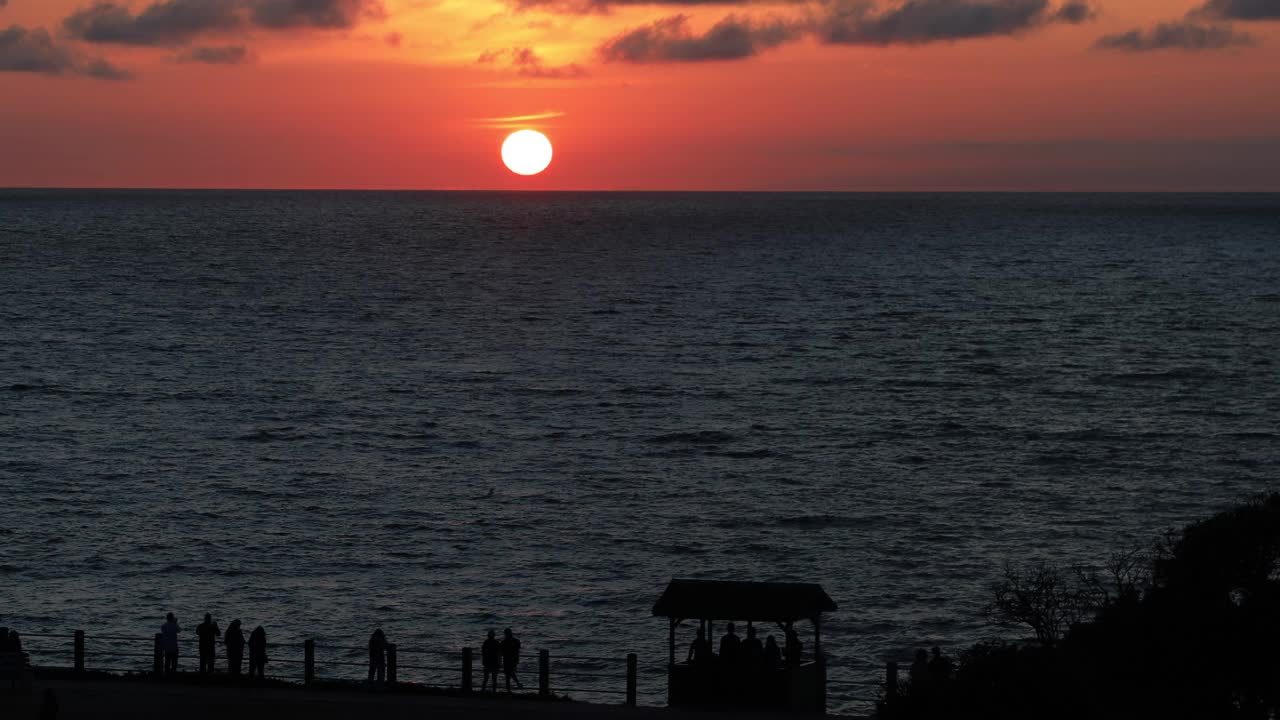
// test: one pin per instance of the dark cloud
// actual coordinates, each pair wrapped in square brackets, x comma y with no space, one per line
[915,22]
[583,7]
[4,2]
[35,51]
[170,22]
[179,22]
[330,14]
[101,69]
[1241,9]
[670,40]
[1176,36]
[528,63]
[227,55]
[1075,13]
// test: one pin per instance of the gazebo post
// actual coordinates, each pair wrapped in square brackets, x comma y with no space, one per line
[671,643]
[820,664]
[817,636]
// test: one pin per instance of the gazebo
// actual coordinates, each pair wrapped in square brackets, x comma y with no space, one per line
[798,685]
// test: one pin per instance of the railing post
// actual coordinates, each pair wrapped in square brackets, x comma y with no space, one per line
[466,669]
[631,679]
[391,663]
[157,665]
[544,673]
[891,679]
[79,651]
[309,661]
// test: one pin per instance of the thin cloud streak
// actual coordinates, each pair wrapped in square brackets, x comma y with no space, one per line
[517,120]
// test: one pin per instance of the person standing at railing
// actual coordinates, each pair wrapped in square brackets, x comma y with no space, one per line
[207,632]
[795,648]
[169,643]
[730,644]
[491,659]
[258,653]
[510,657]
[772,654]
[235,647]
[700,649]
[377,657]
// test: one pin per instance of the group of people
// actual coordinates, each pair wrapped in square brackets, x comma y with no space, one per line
[749,654]
[504,655]
[207,634]
[9,640]
[931,671]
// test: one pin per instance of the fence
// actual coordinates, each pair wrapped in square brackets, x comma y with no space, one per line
[311,662]
[606,679]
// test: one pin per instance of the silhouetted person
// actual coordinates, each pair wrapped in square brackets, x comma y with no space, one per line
[15,642]
[920,670]
[510,657]
[169,643]
[939,667]
[730,645]
[235,647]
[795,648]
[752,650]
[258,653]
[377,657]
[700,649]
[208,632]
[491,659]
[772,654]
[49,706]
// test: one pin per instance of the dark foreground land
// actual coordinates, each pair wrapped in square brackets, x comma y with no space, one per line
[103,700]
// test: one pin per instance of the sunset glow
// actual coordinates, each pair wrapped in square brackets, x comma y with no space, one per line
[765,95]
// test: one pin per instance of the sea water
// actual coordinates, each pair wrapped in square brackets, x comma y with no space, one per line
[444,413]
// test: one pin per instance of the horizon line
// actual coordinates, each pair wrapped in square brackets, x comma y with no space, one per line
[800,191]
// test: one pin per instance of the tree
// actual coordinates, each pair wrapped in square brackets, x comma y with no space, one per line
[1044,598]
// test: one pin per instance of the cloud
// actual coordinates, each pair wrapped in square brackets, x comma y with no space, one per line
[34,51]
[179,22]
[916,22]
[528,63]
[670,40]
[583,7]
[227,55]
[1176,36]
[1240,9]
[1074,13]
[330,14]
[170,22]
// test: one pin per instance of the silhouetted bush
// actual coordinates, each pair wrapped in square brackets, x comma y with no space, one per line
[1197,637]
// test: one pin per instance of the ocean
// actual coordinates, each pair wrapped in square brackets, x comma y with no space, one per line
[439,413]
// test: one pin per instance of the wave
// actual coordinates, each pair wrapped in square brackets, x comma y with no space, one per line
[1172,375]
[698,437]
[746,454]
[823,521]
[266,436]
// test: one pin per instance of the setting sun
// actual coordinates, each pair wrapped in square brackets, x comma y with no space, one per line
[526,152]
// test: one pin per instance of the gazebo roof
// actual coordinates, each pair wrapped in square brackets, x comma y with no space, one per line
[735,600]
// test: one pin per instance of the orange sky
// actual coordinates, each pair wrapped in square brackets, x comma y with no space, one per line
[400,99]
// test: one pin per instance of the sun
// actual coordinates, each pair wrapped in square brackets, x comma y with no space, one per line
[526,152]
